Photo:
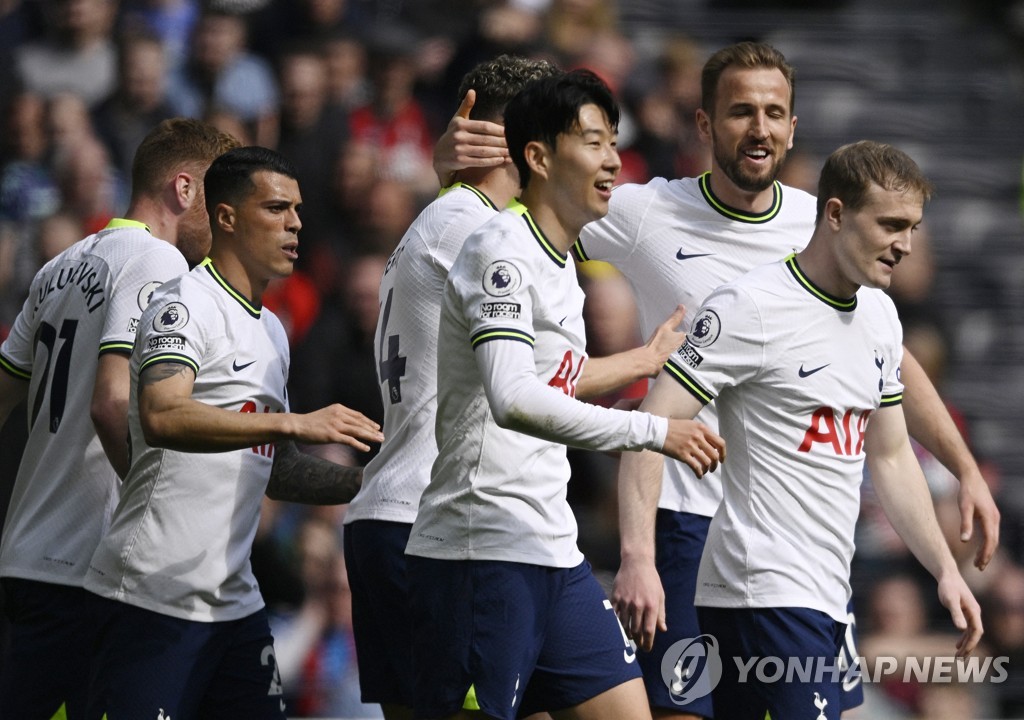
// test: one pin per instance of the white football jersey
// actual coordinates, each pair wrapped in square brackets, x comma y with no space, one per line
[676,242]
[795,373]
[180,537]
[406,352]
[83,303]
[494,493]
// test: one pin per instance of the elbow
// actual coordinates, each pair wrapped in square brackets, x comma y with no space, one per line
[513,418]
[107,417]
[156,431]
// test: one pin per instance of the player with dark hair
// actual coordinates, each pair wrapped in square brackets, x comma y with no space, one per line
[68,354]
[507,617]
[802,359]
[378,520]
[185,631]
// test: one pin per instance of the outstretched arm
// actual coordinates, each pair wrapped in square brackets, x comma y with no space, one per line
[903,493]
[606,374]
[170,418]
[929,422]
[303,478]
[468,143]
[638,596]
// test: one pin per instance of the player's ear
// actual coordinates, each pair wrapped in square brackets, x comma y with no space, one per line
[834,213]
[224,217]
[538,158]
[703,124]
[186,189]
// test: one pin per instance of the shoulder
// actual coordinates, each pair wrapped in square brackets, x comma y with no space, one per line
[797,202]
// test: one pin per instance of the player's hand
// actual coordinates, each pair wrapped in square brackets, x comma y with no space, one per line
[639,601]
[963,608]
[468,143]
[665,340]
[338,424]
[977,505]
[694,444]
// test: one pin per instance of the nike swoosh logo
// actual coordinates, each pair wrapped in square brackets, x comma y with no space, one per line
[806,373]
[680,255]
[236,367]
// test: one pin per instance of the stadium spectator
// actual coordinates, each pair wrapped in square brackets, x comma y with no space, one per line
[139,102]
[312,135]
[222,74]
[77,55]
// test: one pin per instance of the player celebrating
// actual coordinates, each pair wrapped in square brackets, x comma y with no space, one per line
[380,517]
[68,353]
[676,241]
[503,603]
[186,633]
[802,358]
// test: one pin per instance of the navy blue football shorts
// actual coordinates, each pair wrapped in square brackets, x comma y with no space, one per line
[783,661]
[512,639]
[149,663]
[381,619]
[53,634]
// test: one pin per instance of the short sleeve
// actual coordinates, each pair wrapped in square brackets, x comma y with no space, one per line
[725,345]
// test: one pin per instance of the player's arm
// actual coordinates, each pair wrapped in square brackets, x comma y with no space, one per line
[171,419]
[607,374]
[303,478]
[904,496]
[109,408]
[468,143]
[12,391]
[638,596]
[520,401]
[929,422]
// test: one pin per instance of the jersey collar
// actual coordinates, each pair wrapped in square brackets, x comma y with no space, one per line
[519,209]
[704,182]
[248,306]
[479,193]
[841,304]
[126,223]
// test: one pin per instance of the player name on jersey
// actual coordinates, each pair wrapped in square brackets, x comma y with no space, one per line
[84,275]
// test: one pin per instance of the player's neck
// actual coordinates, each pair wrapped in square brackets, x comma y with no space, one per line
[499,184]
[560,229]
[162,223]
[820,267]
[754,202]
[230,267]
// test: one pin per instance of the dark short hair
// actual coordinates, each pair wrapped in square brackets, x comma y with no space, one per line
[549,107]
[175,145]
[851,170]
[497,81]
[748,55]
[229,178]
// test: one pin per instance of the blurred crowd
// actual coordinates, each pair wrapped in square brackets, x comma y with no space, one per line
[355,93]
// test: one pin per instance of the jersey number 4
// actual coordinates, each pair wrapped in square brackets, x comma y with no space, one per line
[47,335]
[391,365]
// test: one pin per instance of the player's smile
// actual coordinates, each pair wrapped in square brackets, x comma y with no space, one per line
[750,130]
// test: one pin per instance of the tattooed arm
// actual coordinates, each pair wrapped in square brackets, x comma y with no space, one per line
[303,478]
